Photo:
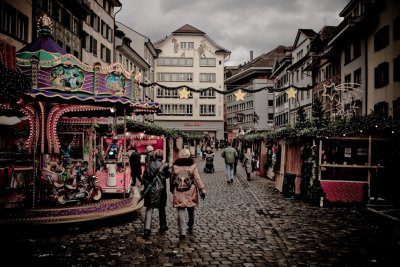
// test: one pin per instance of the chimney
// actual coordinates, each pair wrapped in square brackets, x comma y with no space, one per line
[251,55]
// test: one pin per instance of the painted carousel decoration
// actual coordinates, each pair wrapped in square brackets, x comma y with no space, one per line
[66,100]
[61,76]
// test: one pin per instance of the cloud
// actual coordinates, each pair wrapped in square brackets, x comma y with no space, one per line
[237,25]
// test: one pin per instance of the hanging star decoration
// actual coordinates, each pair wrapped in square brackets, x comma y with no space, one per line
[330,91]
[240,95]
[291,93]
[184,93]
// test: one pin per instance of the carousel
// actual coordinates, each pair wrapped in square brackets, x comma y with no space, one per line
[61,168]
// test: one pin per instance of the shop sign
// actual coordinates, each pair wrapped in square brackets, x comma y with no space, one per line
[192,124]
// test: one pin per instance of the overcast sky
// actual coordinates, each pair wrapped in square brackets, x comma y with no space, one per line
[236,25]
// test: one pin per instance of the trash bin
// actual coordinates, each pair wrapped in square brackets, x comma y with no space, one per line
[288,187]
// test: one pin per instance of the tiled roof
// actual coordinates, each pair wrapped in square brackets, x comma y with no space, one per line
[308,32]
[188,29]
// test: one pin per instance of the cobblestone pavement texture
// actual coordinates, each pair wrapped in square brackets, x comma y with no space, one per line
[244,223]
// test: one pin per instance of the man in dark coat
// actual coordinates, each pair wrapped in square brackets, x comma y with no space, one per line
[155,196]
[136,166]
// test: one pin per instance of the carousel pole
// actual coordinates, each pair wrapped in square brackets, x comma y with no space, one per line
[35,165]
[34,78]
[124,152]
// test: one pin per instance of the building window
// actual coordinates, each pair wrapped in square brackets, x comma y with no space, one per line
[175,61]
[207,94]
[95,22]
[207,110]
[75,26]
[357,76]
[347,78]
[174,77]
[381,75]
[164,93]
[396,28]
[66,19]
[106,54]
[381,38]
[396,69]
[347,55]
[187,45]
[176,110]
[85,41]
[396,109]
[93,46]
[207,62]
[382,108]
[13,22]
[356,49]
[208,77]
[22,26]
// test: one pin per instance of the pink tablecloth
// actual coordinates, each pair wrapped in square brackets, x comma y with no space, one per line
[344,191]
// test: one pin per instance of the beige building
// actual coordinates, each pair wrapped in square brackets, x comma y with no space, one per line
[137,54]
[298,76]
[383,54]
[98,32]
[189,57]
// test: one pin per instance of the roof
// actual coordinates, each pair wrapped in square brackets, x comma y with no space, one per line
[258,65]
[44,43]
[188,29]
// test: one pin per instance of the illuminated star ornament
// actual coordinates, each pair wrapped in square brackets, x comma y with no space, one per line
[184,93]
[240,95]
[330,91]
[291,93]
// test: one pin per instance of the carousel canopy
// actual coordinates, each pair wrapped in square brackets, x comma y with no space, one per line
[59,77]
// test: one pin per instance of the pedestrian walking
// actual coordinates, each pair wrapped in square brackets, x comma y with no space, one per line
[155,192]
[230,155]
[247,162]
[186,186]
[136,166]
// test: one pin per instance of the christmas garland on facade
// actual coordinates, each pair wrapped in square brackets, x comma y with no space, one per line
[225,92]
[372,123]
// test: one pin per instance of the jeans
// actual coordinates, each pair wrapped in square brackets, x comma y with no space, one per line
[229,169]
[182,227]
[149,215]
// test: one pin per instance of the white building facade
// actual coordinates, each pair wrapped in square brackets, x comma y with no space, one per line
[189,57]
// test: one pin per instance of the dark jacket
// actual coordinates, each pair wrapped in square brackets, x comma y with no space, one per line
[136,165]
[155,167]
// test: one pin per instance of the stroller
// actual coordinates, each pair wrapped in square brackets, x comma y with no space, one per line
[209,167]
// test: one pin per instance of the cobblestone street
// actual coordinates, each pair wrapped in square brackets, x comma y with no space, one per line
[238,224]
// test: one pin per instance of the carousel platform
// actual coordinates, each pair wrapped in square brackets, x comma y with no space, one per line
[105,208]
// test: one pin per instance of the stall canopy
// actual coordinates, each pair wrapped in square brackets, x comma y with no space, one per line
[59,77]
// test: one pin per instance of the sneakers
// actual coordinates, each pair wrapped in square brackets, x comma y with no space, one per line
[182,237]
[146,233]
[230,181]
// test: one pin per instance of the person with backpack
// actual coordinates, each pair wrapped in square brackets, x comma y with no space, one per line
[186,186]
[155,191]
[230,155]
